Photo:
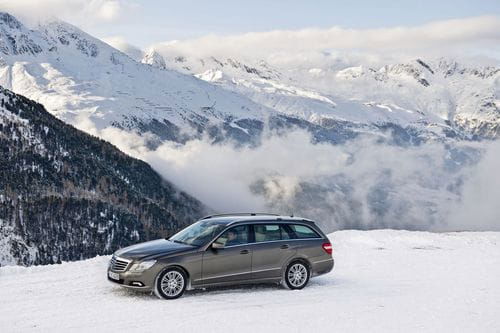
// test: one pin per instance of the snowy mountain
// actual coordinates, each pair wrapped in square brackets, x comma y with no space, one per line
[87,83]
[383,281]
[79,78]
[441,98]
[66,195]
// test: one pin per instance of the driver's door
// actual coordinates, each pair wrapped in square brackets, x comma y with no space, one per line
[229,263]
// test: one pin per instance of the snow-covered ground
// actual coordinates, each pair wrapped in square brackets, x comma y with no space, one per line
[383,281]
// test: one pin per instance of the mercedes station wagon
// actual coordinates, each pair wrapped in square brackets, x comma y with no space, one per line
[221,250]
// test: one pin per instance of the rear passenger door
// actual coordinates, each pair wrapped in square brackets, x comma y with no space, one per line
[233,261]
[270,250]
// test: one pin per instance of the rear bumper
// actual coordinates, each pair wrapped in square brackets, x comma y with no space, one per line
[323,266]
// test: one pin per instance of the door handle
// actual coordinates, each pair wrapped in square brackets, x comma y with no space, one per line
[244,252]
[284,246]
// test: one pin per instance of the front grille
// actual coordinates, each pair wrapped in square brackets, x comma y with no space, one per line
[118,264]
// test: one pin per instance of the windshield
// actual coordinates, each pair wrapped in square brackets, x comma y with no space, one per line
[199,233]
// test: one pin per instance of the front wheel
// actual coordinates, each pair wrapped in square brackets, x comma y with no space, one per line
[170,284]
[297,275]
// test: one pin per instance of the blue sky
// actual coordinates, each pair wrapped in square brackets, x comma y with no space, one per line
[156,20]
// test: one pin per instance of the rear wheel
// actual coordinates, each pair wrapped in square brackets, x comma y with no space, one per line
[171,283]
[297,275]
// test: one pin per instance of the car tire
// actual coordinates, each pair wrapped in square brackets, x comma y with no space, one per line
[297,275]
[170,283]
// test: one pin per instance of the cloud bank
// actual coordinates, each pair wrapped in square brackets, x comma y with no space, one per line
[362,184]
[467,35]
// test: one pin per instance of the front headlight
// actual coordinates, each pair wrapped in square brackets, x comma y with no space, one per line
[142,266]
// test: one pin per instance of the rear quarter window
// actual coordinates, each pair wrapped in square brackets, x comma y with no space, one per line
[270,232]
[302,231]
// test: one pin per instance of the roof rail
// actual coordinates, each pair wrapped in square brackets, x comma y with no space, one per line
[237,214]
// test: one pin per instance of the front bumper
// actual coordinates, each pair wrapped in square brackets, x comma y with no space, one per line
[136,280]
[130,280]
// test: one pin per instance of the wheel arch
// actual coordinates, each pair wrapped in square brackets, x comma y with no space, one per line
[180,267]
[293,259]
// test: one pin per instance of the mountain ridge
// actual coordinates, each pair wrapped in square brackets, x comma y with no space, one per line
[393,93]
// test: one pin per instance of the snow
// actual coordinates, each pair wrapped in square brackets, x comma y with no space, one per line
[383,281]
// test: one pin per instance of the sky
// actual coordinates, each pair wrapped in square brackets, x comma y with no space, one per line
[191,18]
[145,22]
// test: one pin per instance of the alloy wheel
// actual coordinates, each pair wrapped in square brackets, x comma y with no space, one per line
[297,275]
[172,283]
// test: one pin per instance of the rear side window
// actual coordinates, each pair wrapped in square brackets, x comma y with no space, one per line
[270,232]
[302,231]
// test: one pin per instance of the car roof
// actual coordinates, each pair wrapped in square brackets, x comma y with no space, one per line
[232,219]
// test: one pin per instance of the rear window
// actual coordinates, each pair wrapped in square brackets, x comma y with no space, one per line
[302,231]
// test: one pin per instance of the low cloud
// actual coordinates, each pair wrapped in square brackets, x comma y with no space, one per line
[363,184]
[478,207]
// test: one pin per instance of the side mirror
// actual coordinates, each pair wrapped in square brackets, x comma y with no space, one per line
[217,246]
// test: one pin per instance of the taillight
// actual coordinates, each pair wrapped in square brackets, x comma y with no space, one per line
[327,247]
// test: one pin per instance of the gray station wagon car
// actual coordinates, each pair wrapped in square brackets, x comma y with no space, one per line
[223,250]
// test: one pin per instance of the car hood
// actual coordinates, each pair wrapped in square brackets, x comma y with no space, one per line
[152,249]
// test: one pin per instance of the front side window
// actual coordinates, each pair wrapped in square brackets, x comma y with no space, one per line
[302,231]
[234,236]
[270,232]
[198,234]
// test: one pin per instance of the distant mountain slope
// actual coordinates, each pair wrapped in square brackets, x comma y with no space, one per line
[83,80]
[437,97]
[66,195]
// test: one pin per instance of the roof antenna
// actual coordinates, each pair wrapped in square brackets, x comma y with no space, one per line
[291,215]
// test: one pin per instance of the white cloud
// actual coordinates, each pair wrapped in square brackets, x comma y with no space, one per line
[78,12]
[120,43]
[441,36]
[109,10]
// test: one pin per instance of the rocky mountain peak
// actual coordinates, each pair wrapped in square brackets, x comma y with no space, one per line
[15,38]
[64,34]
[154,59]
[9,21]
